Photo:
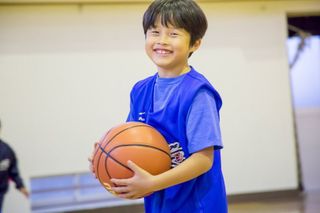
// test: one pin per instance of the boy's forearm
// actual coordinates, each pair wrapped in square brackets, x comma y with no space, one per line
[197,164]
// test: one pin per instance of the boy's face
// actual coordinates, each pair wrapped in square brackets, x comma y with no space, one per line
[169,47]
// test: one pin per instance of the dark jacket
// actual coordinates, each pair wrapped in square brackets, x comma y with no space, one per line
[8,168]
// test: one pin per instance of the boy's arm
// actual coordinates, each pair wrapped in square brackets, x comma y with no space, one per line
[14,175]
[197,164]
[143,183]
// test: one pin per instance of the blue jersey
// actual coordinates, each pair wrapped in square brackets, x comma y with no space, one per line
[205,193]
[202,115]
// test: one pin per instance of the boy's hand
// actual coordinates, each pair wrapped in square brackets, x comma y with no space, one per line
[90,159]
[135,187]
[24,191]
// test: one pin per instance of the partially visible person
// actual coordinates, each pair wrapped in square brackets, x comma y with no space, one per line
[9,171]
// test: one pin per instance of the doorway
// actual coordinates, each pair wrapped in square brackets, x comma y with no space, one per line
[304,58]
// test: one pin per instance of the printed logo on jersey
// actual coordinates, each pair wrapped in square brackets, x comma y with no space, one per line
[142,116]
[4,164]
[177,154]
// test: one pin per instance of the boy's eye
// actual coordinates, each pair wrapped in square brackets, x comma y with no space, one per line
[173,34]
[154,32]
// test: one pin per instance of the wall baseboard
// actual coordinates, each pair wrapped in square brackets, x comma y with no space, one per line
[285,194]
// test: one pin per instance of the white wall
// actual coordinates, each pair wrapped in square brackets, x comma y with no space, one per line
[66,73]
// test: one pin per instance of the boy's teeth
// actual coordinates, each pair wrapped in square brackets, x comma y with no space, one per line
[162,51]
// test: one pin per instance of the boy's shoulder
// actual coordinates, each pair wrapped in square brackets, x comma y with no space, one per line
[197,76]
[2,143]
[5,147]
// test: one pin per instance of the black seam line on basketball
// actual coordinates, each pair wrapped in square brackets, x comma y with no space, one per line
[98,163]
[99,158]
[139,125]
[102,151]
[144,145]
[97,172]
[109,155]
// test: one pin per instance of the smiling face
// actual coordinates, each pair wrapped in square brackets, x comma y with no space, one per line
[169,48]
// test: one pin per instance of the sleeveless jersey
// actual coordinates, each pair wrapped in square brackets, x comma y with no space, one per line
[205,193]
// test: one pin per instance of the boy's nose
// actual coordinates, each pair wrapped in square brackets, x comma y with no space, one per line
[163,39]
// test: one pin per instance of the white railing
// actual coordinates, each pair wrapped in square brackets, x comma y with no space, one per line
[71,192]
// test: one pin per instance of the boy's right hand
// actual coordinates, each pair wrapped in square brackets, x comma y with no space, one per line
[90,159]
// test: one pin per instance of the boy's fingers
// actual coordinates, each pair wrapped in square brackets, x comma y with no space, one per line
[95,144]
[127,196]
[120,189]
[134,167]
[120,182]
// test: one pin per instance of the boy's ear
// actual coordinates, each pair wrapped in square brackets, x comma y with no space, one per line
[196,45]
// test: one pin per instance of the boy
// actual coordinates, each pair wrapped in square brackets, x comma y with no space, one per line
[9,170]
[181,104]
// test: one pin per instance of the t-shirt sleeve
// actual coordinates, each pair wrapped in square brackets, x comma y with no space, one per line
[203,123]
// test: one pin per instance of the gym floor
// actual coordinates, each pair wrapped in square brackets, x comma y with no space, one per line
[293,202]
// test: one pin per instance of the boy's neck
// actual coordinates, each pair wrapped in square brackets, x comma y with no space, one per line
[165,73]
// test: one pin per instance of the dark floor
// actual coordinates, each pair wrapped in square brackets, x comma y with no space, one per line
[296,202]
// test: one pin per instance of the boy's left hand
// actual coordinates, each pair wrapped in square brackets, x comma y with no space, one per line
[135,187]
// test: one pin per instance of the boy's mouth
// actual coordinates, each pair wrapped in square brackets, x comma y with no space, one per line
[162,51]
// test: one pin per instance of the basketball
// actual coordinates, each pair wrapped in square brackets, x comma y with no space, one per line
[135,141]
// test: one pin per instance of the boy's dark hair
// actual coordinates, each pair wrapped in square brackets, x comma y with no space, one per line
[184,14]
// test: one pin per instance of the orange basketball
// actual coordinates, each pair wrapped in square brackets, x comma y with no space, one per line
[135,141]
